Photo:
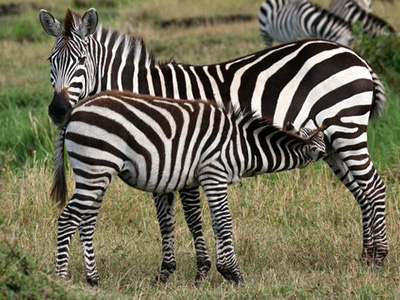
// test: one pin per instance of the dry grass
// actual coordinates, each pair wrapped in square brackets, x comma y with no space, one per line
[297,234]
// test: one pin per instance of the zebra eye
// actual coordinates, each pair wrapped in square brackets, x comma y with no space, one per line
[82,60]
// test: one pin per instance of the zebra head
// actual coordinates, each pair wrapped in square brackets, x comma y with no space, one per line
[73,69]
[314,139]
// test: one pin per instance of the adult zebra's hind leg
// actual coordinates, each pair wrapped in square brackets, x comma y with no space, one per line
[369,191]
[165,209]
[191,205]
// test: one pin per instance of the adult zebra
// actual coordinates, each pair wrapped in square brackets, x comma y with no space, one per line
[352,12]
[292,20]
[162,145]
[306,83]
[364,4]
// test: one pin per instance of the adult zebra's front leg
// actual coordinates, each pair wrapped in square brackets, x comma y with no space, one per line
[190,198]
[215,188]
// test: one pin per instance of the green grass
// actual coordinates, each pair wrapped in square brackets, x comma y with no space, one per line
[297,234]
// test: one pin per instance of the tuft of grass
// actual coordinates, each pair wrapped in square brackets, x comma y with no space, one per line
[21,277]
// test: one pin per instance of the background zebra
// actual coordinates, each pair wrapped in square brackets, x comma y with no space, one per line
[352,12]
[162,145]
[364,4]
[307,83]
[292,20]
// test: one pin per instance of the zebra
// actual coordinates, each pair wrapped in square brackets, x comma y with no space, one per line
[364,4]
[307,83]
[161,145]
[352,12]
[292,20]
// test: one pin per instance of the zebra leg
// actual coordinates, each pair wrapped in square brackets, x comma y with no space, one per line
[216,192]
[81,212]
[374,191]
[267,39]
[166,219]
[68,222]
[370,200]
[191,205]
[86,232]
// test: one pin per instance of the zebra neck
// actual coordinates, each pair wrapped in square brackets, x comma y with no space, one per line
[122,61]
[272,150]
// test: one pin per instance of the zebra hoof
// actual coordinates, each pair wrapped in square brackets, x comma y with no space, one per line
[93,282]
[162,277]
[232,276]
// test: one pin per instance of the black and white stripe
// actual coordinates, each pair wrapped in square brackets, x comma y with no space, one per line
[307,83]
[161,145]
[352,12]
[293,20]
[363,4]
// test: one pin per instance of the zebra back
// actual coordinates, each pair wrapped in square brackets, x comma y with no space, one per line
[351,12]
[292,20]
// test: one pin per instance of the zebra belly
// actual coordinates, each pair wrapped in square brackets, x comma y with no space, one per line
[155,181]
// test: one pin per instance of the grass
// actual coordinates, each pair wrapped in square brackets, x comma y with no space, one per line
[295,237]
[297,234]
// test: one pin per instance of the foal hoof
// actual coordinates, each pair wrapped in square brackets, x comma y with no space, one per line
[162,277]
[93,282]
[233,276]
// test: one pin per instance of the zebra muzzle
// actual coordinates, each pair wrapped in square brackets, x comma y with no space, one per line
[60,108]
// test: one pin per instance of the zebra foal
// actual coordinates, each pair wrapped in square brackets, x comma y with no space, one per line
[292,20]
[161,145]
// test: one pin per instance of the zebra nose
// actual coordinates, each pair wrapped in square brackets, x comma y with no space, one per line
[60,107]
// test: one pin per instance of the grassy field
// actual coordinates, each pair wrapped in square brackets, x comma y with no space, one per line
[297,234]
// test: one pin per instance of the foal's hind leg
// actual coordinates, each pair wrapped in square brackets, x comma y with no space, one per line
[81,212]
[166,219]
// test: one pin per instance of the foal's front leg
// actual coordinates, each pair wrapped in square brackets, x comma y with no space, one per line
[216,192]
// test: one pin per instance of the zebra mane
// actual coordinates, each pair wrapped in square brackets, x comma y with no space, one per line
[133,44]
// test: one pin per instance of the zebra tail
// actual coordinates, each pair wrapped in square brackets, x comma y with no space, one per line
[379,101]
[59,186]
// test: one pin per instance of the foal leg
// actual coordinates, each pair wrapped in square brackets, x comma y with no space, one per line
[191,205]
[80,212]
[216,191]
[166,219]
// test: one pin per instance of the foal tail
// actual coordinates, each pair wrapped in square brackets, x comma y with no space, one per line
[59,186]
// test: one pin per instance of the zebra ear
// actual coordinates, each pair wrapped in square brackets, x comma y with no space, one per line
[50,24]
[89,22]
[289,127]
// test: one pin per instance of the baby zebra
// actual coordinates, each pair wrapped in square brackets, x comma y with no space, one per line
[162,145]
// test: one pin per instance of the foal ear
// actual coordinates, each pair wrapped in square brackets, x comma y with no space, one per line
[50,24]
[89,22]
